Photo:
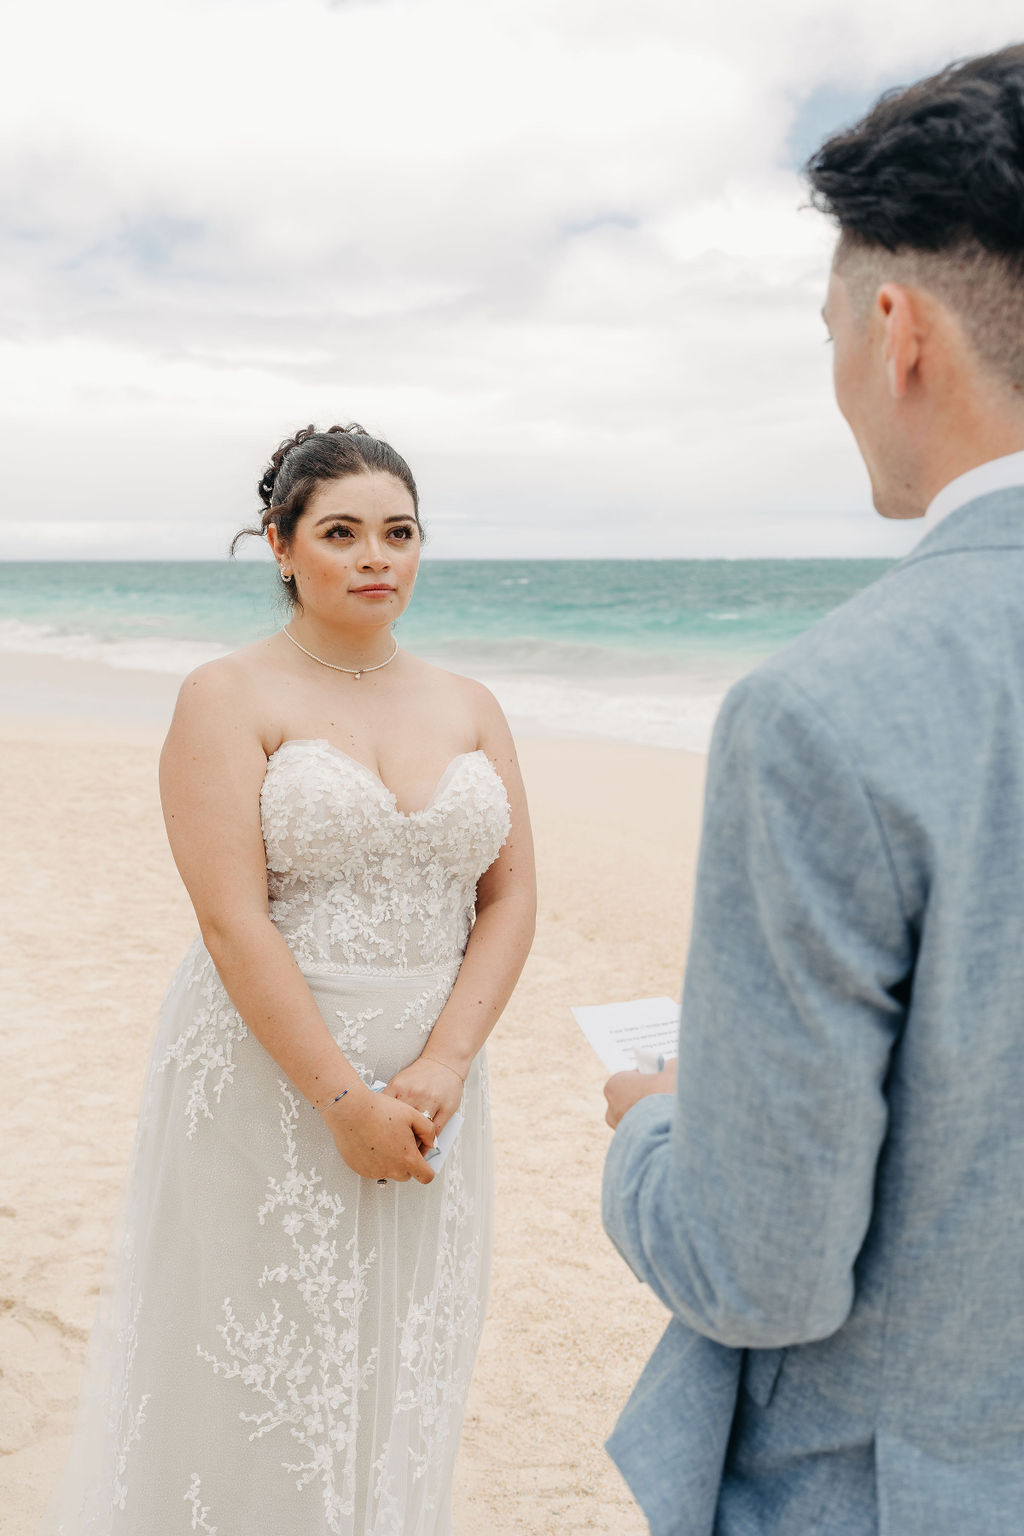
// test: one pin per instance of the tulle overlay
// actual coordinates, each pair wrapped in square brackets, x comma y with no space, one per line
[281,1346]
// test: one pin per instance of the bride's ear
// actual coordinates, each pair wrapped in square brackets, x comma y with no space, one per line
[278,546]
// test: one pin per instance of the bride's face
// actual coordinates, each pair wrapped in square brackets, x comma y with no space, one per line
[355,550]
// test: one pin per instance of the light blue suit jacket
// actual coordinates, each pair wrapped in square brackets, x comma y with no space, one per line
[833,1207]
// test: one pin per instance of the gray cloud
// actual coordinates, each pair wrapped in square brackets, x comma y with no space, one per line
[553,249]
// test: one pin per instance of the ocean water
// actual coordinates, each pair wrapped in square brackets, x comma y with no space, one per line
[636,650]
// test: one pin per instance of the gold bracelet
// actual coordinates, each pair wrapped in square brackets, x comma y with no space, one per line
[441,1063]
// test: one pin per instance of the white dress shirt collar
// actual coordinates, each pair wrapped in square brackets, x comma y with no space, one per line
[997,475]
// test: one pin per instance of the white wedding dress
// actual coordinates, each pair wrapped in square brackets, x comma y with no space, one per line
[281,1347]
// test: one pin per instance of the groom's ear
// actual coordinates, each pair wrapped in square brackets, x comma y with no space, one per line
[898,309]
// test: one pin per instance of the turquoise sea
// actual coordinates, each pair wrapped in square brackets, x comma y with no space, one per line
[637,650]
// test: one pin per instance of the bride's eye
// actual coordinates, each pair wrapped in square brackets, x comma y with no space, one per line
[403,532]
[338,528]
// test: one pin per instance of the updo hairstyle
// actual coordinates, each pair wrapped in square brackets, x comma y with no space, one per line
[303,462]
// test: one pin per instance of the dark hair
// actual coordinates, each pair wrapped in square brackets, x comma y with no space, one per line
[936,165]
[928,189]
[302,463]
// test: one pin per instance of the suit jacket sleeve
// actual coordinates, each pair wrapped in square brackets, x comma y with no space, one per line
[744,1202]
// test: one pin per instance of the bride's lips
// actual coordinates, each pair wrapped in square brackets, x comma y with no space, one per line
[377,590]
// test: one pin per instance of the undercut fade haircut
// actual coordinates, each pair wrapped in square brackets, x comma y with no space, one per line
[928,190]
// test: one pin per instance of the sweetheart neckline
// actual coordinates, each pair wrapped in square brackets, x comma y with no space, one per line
[321,741]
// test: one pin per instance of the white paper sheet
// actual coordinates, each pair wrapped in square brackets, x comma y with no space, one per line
[643,1033]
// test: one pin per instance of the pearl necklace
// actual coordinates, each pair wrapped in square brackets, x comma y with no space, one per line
[355,672]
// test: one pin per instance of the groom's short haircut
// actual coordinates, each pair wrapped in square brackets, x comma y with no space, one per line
[928,189]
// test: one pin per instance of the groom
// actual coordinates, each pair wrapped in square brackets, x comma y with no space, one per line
[832,1206]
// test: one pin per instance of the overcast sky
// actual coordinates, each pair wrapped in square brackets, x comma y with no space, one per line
[554,250]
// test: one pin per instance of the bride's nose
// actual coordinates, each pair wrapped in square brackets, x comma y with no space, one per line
[374,555]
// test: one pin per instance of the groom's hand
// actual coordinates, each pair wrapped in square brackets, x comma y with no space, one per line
[624,1089]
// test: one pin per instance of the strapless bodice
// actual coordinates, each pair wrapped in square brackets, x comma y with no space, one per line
[355,884]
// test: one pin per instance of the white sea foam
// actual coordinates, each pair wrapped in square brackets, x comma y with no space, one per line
[581,694]
[666,717]
[137,654]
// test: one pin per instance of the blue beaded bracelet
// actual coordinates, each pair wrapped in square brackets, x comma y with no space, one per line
[339,1096]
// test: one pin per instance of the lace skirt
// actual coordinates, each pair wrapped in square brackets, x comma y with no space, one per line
[280,1346]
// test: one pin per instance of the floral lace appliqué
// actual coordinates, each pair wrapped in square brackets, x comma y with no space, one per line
[356,887]
[199,1509]
[433,1365]
[355,884]
[307,1372]
[351,1033]
[126,1421]
[206,1046]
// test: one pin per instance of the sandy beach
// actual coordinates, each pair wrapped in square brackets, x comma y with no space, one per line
[94,920]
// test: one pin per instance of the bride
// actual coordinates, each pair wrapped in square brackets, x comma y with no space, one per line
[296,1283]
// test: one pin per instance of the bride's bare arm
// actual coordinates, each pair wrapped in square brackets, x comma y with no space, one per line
[211,772]
[499,943]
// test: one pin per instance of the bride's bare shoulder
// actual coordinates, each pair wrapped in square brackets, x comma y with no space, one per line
[247,665]
[219,676]
[472,698]
[225,691]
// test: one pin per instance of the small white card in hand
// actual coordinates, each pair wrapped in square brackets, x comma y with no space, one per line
[436,1154]
[642,1034]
